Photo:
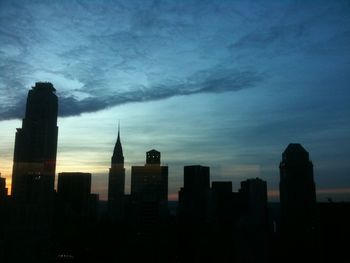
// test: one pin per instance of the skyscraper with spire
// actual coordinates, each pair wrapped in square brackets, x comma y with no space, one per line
[116,182]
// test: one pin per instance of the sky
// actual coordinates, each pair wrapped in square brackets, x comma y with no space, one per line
[227,84]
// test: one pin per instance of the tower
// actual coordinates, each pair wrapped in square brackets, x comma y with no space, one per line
[298,201]
[116,182]
[33,175]
[34,161]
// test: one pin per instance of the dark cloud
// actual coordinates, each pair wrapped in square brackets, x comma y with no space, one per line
[209,81]
[100,54]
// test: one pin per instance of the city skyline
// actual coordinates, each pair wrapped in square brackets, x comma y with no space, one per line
[219,84]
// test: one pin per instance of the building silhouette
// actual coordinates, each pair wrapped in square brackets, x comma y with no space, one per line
[298,201]
[149,191]
[34,161]
[3,189]
[33,177]
[194,197]
[253,228]
[116,182]
[254,200]
[74,194]
[225,205]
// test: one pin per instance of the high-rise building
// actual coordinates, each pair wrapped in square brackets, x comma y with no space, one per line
[194,197]
[116,182]
[297,189]
[298,201]
[33,176]
[149,190]
[34,161]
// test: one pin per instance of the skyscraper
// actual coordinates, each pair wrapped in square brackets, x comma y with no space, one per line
[33,176]
[298,200]
[116,182]
[297,188]
[34,161]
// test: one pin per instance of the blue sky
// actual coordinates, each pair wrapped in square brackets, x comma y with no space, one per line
[221,83]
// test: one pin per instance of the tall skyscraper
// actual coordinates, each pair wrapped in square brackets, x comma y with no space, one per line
[116,182]
[149,190]
[194,196]
[34,161]
[297,189]
[33,175]
[298,200]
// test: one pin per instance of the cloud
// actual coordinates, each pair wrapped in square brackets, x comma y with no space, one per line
[99,54]
[207,81]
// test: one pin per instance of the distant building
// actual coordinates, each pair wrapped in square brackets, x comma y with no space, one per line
[74,195]
[194,197]
[116,182]
[34,161]
[3,189]
[225,205]
[149,190]
[254,200]
[298,201]
[253,225]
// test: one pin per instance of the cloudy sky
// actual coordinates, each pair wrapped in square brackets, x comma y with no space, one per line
[226,84]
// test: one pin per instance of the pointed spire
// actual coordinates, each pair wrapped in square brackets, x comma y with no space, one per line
[118,157]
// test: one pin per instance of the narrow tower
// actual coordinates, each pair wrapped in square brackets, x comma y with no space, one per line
[116,182]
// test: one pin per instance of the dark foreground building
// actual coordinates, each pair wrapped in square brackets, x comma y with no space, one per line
[299,224]
[33,177]
[34,161]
